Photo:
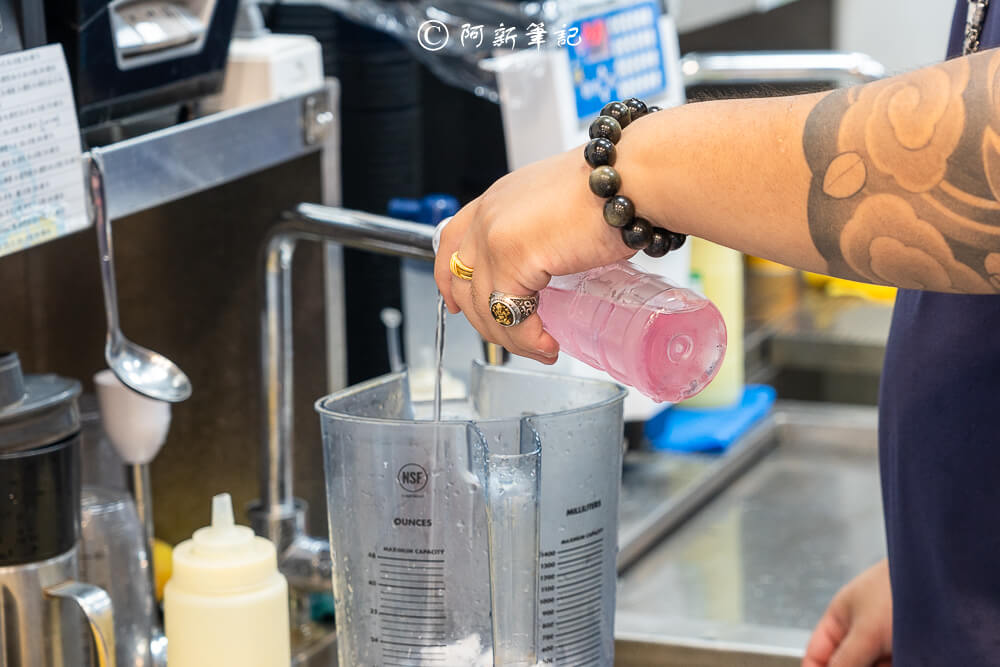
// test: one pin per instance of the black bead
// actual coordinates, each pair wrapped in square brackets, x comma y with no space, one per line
[619,112]
[638,234]
[605,181]
[653,109]
[606,127]
[677,240]
[600,152]
[659,243]
[619,211]
[637,108]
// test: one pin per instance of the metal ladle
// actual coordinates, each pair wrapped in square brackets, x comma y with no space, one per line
[143,370]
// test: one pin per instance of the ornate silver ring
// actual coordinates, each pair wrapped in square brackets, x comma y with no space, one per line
[509,310]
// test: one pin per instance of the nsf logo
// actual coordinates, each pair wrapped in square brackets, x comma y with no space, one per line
[412,477]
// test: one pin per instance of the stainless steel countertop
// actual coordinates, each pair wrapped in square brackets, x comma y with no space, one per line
[756,567]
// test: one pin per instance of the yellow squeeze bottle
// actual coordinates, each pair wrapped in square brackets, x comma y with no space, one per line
[718,273]
[226,604]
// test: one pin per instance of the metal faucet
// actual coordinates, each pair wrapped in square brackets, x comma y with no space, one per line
[278,515]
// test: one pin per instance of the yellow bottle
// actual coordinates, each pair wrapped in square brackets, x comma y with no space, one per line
[226,604]
[717,273]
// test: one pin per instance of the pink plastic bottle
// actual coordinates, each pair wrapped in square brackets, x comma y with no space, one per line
[666,341]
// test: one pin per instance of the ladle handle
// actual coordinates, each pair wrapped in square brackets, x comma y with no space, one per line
[99,211]
[95,603]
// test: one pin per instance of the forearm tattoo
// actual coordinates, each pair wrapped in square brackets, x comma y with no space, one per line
[906,178]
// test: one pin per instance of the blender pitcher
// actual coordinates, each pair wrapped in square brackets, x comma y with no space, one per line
[408,526]
[405,504]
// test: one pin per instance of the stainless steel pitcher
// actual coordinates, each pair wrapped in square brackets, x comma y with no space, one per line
[47,617]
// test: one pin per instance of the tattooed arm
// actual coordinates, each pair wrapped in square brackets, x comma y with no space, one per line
[894,182]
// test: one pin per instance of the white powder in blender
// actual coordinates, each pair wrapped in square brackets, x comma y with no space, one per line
[468,652]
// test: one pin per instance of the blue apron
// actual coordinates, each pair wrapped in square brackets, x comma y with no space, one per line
[939,430]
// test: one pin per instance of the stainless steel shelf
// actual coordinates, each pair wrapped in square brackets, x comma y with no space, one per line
[696,14]
[169,164]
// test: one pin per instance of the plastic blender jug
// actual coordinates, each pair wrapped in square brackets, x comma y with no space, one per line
[408,522]
[579,423]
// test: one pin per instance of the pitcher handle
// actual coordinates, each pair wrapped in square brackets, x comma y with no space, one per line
[95,603]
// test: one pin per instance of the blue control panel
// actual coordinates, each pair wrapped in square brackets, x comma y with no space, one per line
[616,55]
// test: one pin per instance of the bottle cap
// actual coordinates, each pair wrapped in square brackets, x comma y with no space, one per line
[224,557]
[436,239]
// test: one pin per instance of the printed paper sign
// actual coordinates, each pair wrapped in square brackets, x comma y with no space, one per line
[41,172]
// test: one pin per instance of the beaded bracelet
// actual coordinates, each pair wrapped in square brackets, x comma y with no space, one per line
[605,181]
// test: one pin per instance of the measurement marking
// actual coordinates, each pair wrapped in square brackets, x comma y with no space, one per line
[415,588]
[413,605]
[421,635]
[567,573]
[582,628]
[567,550]
[410,560]
[417,645]
[590,659]
[585,582]
[417,603]
[571,626]
[590,578]
[578,657]
[404,569]
[577,605]
[592,554]
[390,607]
[590,648]
[575,594]
[420,580]
[390,567]
[429,628]
[591,613]
[408,652]
[579,647]
[592,622]
[421,596]
[430,618]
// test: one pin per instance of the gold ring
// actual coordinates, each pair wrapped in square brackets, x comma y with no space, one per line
[459,269]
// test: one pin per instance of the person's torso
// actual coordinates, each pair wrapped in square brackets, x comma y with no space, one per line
[939,424]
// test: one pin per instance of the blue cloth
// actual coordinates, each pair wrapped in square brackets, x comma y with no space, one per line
[940,461]
[681,429]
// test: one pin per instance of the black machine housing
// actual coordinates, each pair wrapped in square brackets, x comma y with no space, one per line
[22,25]
[130,56]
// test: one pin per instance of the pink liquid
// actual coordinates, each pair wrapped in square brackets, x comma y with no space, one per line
[665,341]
